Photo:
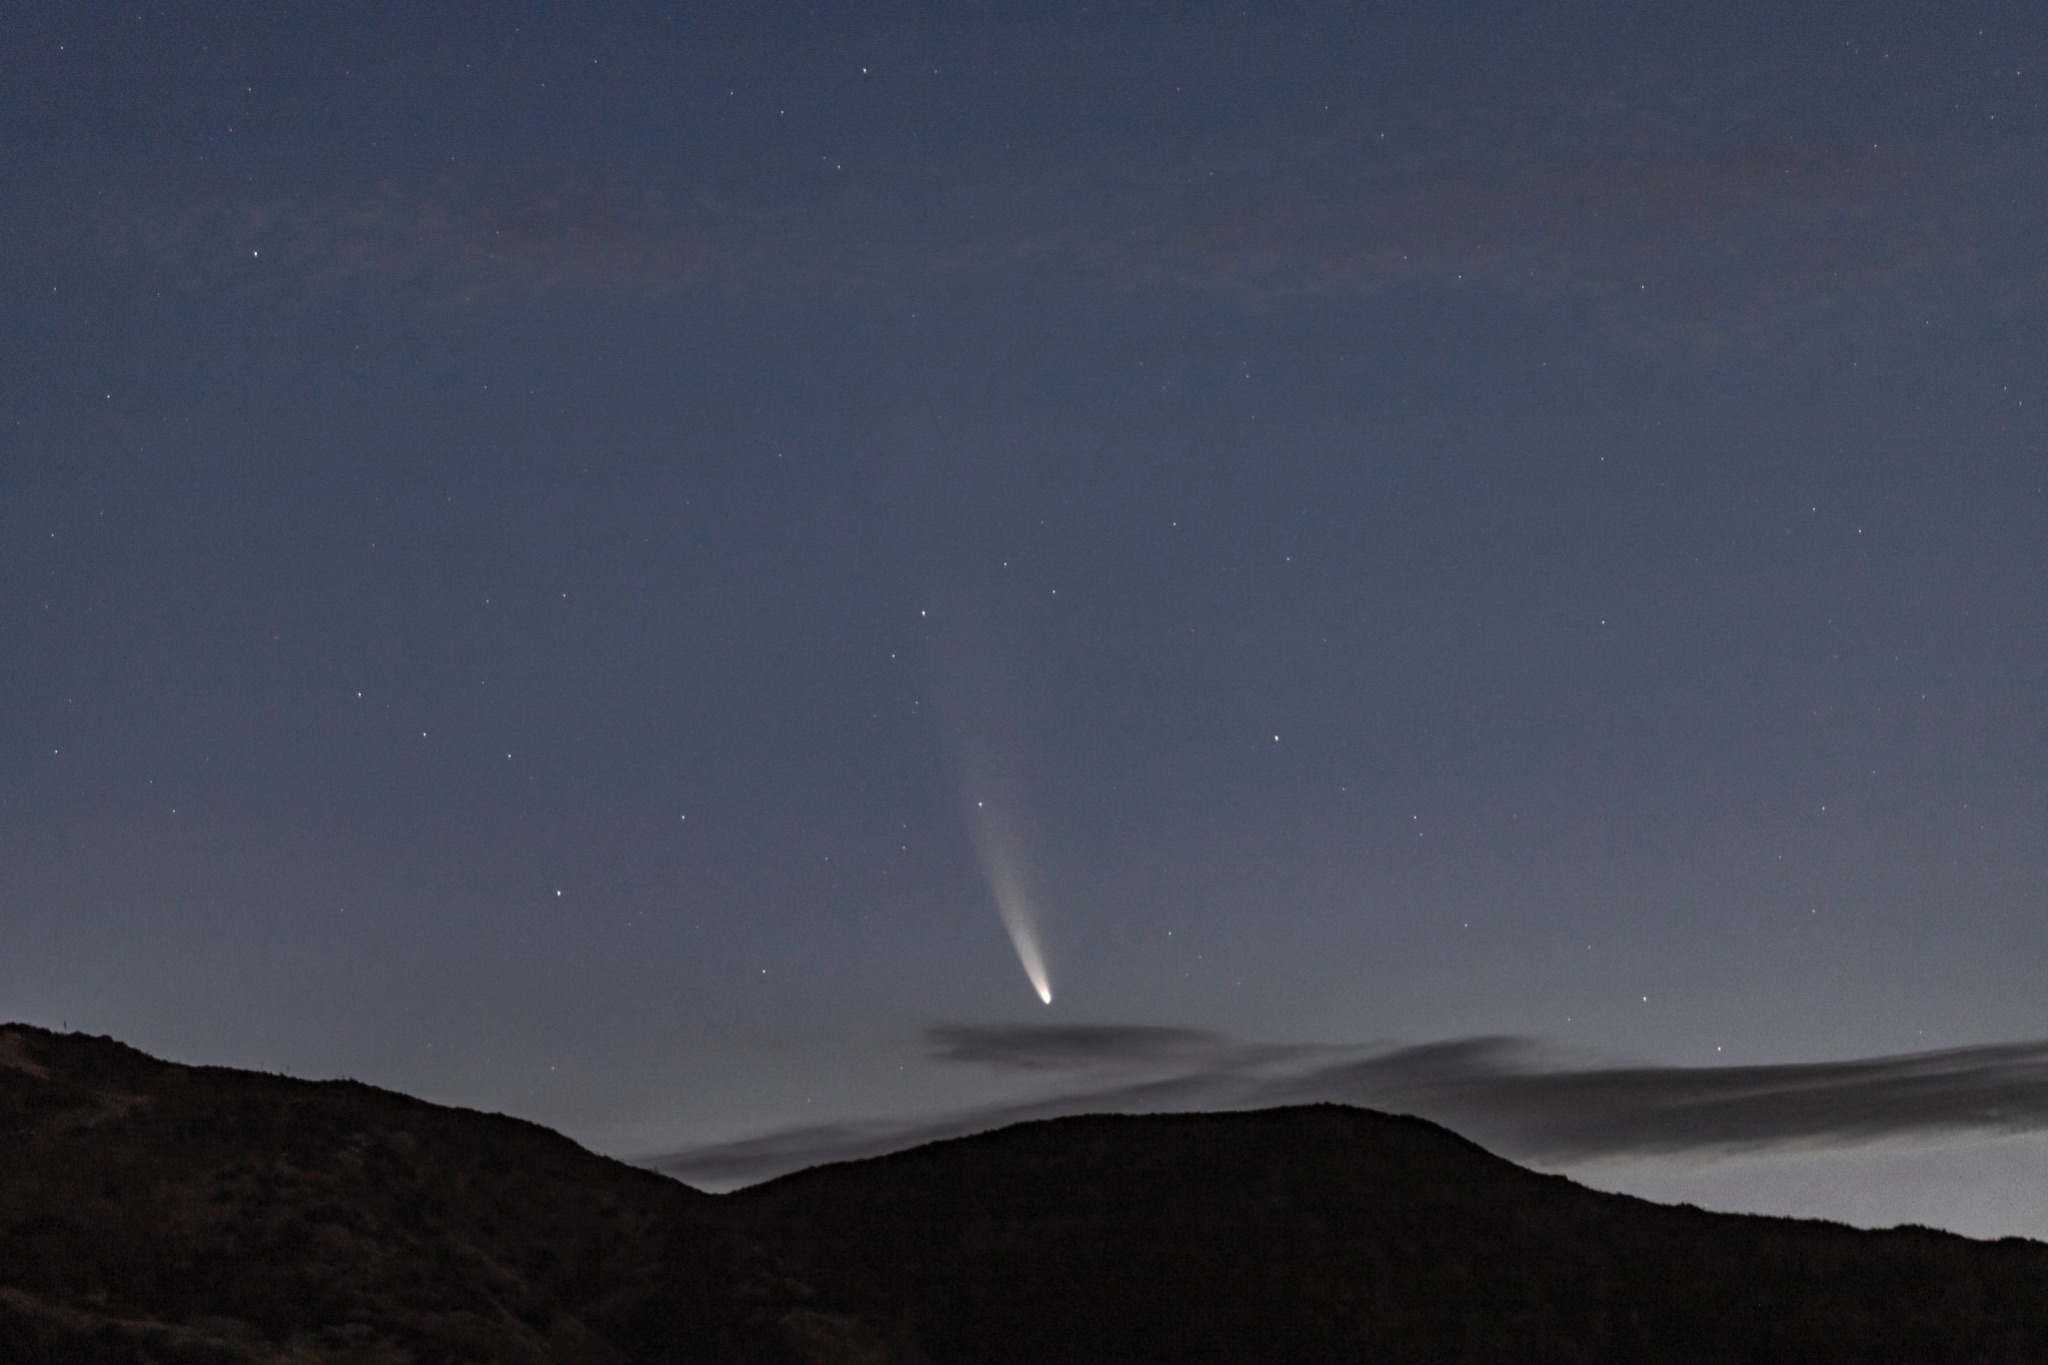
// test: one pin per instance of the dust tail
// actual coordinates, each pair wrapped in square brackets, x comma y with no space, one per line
[1002,864]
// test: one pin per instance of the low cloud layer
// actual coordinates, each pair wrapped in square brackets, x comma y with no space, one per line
[1508,1094]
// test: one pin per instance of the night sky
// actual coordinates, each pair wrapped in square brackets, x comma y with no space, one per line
[625,564]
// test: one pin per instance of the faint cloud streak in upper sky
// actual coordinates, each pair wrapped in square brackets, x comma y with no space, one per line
[1749,247]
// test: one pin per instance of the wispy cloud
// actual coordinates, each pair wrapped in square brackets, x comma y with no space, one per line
[1745,247]
[1509,1094]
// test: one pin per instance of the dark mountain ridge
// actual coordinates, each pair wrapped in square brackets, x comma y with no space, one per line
[155,1212]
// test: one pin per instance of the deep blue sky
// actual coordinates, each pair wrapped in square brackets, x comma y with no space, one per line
[525,529]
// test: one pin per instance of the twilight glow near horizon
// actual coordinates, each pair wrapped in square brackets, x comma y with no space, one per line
[525,533]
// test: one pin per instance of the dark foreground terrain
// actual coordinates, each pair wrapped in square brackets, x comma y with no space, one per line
[151,1212]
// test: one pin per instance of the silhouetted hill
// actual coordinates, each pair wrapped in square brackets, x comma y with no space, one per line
[157,1212]
[1336,1234]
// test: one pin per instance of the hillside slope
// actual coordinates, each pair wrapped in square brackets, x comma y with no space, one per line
[153,1212]
[159,1212]
[1334,1234]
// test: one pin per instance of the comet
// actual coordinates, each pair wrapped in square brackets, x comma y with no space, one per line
[973,683]
[1002,864]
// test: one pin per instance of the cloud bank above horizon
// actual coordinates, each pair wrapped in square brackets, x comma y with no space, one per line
[1511,1095]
